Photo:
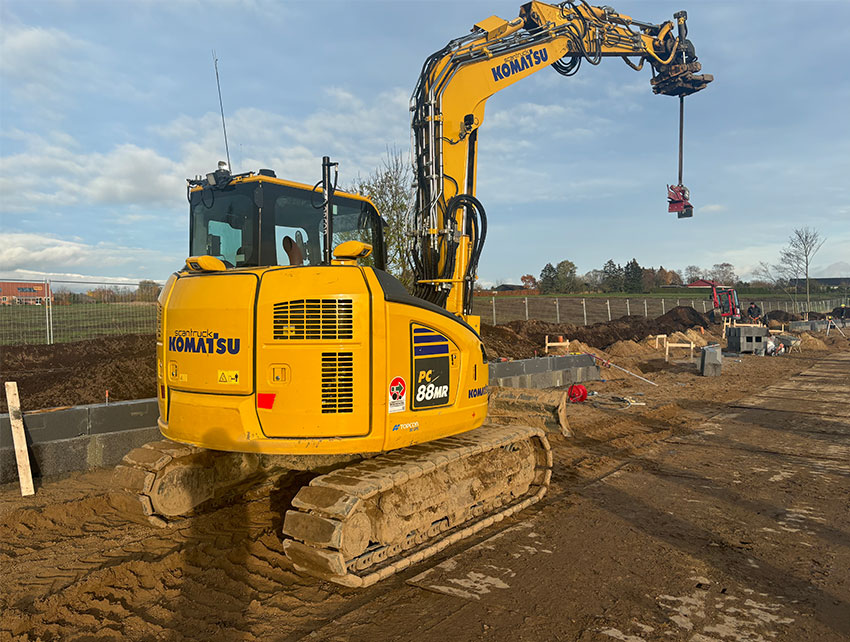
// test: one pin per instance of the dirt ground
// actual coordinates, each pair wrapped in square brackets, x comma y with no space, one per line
[719,510]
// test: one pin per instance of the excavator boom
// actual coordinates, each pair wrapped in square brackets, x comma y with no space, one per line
[448,109]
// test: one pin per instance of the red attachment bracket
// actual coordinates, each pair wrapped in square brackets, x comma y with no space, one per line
[677,201]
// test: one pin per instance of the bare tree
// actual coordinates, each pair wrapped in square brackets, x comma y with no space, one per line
[724,273]
[388,187]
[693,273]
[803,244]
[783,276]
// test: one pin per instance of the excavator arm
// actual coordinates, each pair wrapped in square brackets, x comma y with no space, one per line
[449,223]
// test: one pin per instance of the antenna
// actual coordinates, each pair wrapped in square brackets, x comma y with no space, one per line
[221,106]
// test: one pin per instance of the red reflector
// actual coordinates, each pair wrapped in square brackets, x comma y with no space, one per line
[162,391]
[265,400]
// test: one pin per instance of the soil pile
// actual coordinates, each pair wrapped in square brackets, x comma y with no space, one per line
[501,342]
[80,372]
[841,312]
[628,349]
[782,316]
[601,335]
[808,342]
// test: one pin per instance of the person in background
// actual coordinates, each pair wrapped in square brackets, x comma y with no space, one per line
[754,313]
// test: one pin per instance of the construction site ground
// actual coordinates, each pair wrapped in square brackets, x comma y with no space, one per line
[719,510]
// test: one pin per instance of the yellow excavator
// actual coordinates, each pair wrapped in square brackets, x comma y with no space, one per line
[283,344]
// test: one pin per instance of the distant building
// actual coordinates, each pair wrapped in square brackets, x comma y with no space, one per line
[829,282]
[508,287]
[705,283]
[23,293]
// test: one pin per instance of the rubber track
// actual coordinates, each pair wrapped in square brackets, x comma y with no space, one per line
[365,480]
[135,475]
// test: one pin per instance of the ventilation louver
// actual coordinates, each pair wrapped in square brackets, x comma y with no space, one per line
[337,382]
[314,319]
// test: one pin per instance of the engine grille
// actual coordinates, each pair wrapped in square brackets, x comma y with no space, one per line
[314,319]
[337,382]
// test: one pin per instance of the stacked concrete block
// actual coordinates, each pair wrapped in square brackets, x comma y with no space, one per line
[747,339]
[546,372]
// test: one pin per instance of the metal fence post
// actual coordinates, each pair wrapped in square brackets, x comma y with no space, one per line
[584,309]
[763,309]
[645,311]
[494,309]
[608,303]
[677,303]
[46,315]
[703,307]
[692,304]
[557,311]
[663,311]
[628,308]
[526,308]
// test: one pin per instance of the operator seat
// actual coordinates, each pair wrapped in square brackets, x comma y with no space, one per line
[296,256]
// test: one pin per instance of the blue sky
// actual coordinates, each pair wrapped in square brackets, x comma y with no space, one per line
[106,108]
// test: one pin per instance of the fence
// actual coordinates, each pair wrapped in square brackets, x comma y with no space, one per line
[81,310]
[495,310]
[78,310]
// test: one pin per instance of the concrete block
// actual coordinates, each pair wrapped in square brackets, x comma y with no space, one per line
[123,415]
[48,425]
[79,453]
[711,361]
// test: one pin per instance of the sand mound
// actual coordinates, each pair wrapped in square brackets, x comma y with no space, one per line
[627,349]
[808,342]
[698,338]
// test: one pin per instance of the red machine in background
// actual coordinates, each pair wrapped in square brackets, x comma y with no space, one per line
[724,300]
[725,303]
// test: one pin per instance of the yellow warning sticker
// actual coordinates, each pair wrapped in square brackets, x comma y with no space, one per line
[228,376]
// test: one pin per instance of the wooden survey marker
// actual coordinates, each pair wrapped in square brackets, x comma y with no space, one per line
[16,418]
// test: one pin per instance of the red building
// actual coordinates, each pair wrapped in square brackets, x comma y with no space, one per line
[25,293]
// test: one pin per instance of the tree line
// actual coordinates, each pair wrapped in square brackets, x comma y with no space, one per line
[147,292]
[614,277]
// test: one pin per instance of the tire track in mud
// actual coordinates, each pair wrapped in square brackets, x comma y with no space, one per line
[218,576]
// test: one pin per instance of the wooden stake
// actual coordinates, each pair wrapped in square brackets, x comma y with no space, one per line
[19,438]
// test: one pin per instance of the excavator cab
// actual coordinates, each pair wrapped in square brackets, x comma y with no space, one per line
[257,220]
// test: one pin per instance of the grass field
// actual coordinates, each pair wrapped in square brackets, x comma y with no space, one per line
[28,324]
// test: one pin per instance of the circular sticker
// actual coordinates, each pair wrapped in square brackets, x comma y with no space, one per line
[397,388]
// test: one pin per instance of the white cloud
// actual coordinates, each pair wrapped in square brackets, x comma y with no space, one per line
[53,172]
[35,61]
[21,252]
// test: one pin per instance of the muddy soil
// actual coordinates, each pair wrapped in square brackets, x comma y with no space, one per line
[71,374]
[687,518]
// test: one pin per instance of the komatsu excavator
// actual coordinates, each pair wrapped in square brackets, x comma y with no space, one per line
[283,344]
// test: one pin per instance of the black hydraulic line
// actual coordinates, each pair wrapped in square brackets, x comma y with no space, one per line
[681,133]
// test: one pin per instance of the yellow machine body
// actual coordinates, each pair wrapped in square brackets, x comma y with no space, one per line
[278,361]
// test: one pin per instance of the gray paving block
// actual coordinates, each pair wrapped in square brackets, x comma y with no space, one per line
[123,415]
[48,425]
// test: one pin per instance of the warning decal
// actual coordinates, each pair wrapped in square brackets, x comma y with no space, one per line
[398,395]
[228,376]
